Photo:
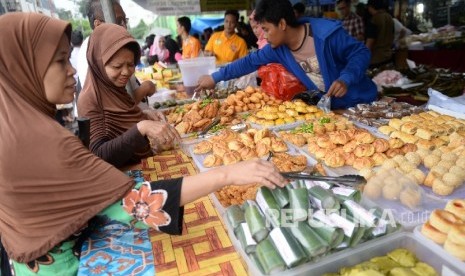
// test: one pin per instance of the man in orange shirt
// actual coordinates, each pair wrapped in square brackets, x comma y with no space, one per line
[227,46]
[191,46]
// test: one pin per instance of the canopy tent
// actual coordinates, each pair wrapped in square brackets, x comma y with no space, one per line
[201,23]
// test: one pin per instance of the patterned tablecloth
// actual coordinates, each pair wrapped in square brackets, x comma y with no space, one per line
[204,247]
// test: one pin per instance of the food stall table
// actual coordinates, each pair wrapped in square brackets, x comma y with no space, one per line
[204,248]
[453,59]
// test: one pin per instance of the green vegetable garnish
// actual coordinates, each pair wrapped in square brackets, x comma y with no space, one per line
[216,128]
[306,128]
[179,110]
[205,102]
[324,120]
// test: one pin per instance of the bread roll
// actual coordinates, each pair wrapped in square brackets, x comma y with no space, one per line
[386,130]
[424,134]
[395,143]
[381,145]
[364,150]
[363,162]
[409,128]
[396,123]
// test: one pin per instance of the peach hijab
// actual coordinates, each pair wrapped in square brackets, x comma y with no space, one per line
[50,184]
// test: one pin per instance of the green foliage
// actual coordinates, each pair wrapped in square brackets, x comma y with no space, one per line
[82,25]
[82,7]
[64,14]
[139,31]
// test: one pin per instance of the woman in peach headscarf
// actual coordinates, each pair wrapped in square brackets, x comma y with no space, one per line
[50,184]
[258,31]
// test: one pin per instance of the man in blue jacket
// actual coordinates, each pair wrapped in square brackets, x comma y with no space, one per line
[319,52]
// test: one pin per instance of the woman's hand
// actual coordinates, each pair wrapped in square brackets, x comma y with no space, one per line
[161,132]
[205,82]
[155,115]
[338,89]
[254,171]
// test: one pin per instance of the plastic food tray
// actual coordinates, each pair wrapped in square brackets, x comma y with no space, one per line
[279,127]
[436,247]
[444,265]
[316,266]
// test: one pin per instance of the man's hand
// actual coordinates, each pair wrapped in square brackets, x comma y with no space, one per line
[205,82]
[338,89]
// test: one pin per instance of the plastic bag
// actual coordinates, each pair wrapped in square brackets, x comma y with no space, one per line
[324,104]
[279,82]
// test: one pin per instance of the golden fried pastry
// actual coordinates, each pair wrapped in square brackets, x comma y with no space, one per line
[425,144]
[352,132]
[393,152]
[278,145]
[418,175]
[247,140]
[438,142]
[334,160]
[364,138]
[408,138]
[424,134]
[313,147]
[406,167]
[330,126]
[379,158]
[381,145]
[443,220]
[409,148]
[227,135]
[410,197]
[440,188]
[461,162]
[324,142]
[430,178]
[321,153]
[265,140]
[235,145]
[297,139]
[414,158]
[432,233]
[451,179]
[231,157]
[212,160]
[457,207]
[220,148]
[389,164]
[363,162]
[339,137]
[459,171]
[203,147]
[456,250]
[396,134]
[423,153]
[350,147]
[396,123]
[183,127]
[367,173]
[386,130]
[399,159]
[364,150]
[261,134]
[319,129]
[349,158]
[395,143]
[247,153]
[439,170]
[299,159]
[446,164]
[262,149]
[450,156]
[431,161]
[409,128]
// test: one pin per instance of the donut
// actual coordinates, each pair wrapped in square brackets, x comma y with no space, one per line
[456,207]
[432,233]
[455,250]
[443,220]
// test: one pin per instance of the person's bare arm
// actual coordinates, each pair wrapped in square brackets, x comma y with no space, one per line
[242,173]
[146,89]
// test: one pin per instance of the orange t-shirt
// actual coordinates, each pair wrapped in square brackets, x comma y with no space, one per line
[191,47]
[226,49]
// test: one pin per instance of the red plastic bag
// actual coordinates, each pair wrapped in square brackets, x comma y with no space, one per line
[279,82]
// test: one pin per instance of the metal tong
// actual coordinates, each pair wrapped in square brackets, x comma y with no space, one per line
[351,180]
[212,124]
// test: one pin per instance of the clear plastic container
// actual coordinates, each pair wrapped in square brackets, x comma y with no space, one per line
[436,247]
[443,264]
[192,69]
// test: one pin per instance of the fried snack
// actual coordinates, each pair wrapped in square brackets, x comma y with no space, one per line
[262,149]
[350,147]
[450,156]
[379,158]
[409,128]
[414,158]
[456,250]
[203,147]
[219,148]
[392,190]
[456,207]
[324,142]
[451,179]
[409,147]
[231,157]
[321,153]
[443,220]
[372,190]
[396,123]
[364,150]
[235,145]
[339,137]
[247,153]
[183,127]
[446,164]
[440,188]
[364,138]
[417,175]
[231,195]
[363,162]
[297,139]
[247,140]
[395,143]
[406,167]
[432,233]
[381,145]
[425,144]
[424,134]
[410,197]
[393,152]
[259,135]
[278,145]
[212,160]
[349,158]
[334,160]
[366,173]
[312,147]
[386,130]
[431,161]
